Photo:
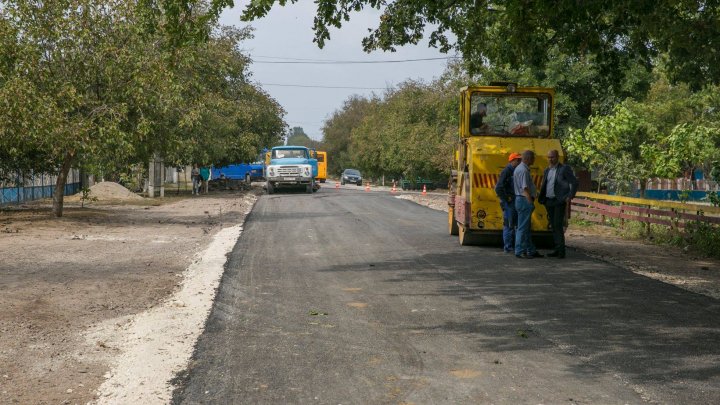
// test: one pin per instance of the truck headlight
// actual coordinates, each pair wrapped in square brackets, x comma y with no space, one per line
[271,171]
[306,171]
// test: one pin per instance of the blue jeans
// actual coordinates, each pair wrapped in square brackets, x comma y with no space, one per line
[509,221]
[523,241]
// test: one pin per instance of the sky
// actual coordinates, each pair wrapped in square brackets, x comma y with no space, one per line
[286,34]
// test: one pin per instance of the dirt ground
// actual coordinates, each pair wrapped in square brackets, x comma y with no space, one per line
[119,258]
[112,259]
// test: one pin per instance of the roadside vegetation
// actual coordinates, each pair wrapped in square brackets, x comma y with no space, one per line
[106,85]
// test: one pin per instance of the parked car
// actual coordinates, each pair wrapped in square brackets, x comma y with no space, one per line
[351,176]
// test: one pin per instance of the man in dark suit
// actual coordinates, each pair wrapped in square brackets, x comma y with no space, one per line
[558,188]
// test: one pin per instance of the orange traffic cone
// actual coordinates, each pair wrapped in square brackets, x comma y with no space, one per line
[424,190]
[337,184]
[367,186]
[394,189]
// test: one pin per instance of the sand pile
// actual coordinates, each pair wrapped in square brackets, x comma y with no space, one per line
[107,190]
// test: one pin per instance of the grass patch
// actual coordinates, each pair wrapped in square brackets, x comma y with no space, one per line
[698,236]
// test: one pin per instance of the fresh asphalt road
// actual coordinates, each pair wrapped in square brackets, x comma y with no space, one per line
[353,297]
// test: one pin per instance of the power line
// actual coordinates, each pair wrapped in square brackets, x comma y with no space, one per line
[322,87]
[341,62]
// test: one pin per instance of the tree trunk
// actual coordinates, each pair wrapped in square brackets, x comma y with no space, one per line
[643,186]
[59,194]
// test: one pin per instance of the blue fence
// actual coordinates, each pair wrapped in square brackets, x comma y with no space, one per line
[29,187]
[675,195]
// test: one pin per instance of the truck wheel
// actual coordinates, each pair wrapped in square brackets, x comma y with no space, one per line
[452,223]
[309,188]
[270,187]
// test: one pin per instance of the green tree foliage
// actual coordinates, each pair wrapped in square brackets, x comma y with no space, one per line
[298,137]
[612,145]
[181,21]
[408,133]
[83,85]
[521,32]
[665,135]
[337,131]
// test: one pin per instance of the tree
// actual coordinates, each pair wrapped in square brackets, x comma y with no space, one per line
[670,132]
[408,133]
[520,33]
[181,21]
[83,85]
[612,145]
[65,76]
[336,131]
[298,137]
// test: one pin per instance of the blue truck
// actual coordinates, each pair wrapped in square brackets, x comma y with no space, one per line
[291,167]
[237,174]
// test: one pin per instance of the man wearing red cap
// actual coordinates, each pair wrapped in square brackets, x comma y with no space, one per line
[506,194]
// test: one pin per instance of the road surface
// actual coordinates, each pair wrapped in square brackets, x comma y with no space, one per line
[354,297]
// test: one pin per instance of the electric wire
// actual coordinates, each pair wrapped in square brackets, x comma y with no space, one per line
[340,62]
[322,87]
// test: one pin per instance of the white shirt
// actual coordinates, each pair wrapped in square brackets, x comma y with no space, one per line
[550,188]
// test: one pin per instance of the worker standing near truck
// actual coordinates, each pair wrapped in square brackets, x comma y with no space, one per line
[525,194]
[558,188]
[506,194]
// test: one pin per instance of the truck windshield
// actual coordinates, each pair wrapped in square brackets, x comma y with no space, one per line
[288,153]
[516,114]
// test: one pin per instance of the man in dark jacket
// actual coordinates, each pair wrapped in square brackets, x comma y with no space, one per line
[558,188]
[506,194]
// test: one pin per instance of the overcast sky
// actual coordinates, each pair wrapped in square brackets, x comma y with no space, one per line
[286,32]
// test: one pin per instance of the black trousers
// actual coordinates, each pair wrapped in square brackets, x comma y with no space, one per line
[556,215]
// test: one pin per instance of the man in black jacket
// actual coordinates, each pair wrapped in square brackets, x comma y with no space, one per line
[558,188]
[506,194]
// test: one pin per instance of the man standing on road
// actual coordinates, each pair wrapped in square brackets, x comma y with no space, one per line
[506,193]
[195,177]
[558,189]
[205,177]
[525,194]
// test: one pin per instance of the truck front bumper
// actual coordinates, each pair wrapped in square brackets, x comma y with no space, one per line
[290,181]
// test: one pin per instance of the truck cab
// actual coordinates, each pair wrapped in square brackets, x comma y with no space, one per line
[290,167]
[322,166]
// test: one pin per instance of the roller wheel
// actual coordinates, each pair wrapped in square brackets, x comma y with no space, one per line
[452,223]
[464,236]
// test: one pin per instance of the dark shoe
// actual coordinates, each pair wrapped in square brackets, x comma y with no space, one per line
[523,256]
[508,251]
[537,254]
[553,254]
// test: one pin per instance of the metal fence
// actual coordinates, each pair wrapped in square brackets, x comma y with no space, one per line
[34,186]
